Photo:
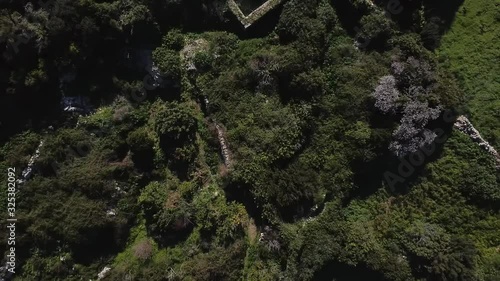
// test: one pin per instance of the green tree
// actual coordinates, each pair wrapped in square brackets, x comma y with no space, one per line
[141,146]
[168,61]
[167,213]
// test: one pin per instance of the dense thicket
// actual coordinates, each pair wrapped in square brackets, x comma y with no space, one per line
[322,150]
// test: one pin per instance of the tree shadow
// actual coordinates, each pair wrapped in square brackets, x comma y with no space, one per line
[445,10]
[342,272]
[240,193]
[348,15]
[398,173]
[439,17]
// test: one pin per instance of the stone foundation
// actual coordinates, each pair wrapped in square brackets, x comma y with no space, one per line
[254,16]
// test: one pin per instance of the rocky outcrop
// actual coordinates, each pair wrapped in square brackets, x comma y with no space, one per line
[465,126]
[101,275]
[76,104]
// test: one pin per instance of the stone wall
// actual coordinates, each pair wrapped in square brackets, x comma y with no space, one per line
[254,16]
[465,126]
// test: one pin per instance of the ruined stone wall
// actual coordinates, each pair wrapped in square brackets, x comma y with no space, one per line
[254,16]
[465,126]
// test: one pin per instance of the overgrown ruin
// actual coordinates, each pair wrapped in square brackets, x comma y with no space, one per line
[250,19]
[465,126]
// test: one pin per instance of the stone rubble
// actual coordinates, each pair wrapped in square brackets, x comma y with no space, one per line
[223,144]
[111,213]
[77,104]
[188,54]
[103,273]
[28,171]
[465,126]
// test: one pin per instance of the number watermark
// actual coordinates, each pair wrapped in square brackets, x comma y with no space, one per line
[11,219]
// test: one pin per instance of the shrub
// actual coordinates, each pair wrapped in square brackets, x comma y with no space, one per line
[202,61]
[376,29]
[168,61]
[143,250]
[142,148]
[167,213]
[174,40]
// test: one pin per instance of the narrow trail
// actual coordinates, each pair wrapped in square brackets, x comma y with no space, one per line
[188,54]
[221,136]
[28,171]
[223,145]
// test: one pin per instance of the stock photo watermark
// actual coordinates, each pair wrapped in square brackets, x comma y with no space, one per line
[11,220]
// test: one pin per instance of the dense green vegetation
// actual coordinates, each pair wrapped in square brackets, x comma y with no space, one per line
[470,51]
[321,150]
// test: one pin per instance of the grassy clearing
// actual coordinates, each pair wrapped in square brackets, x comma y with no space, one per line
[471,50]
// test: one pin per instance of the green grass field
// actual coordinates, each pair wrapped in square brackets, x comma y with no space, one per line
[471,50]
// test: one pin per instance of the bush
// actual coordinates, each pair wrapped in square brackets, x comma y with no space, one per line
[410,45]
[168,215]
[168,61]
[202,61]
[174,40]
[141,146]
[376,29]
[173,121]
[143,250]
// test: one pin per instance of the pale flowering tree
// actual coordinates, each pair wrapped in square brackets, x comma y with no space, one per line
[386,94]
[413,73]
[405,92]
[419,113]
[411,133]
[269,238]
[404,146]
